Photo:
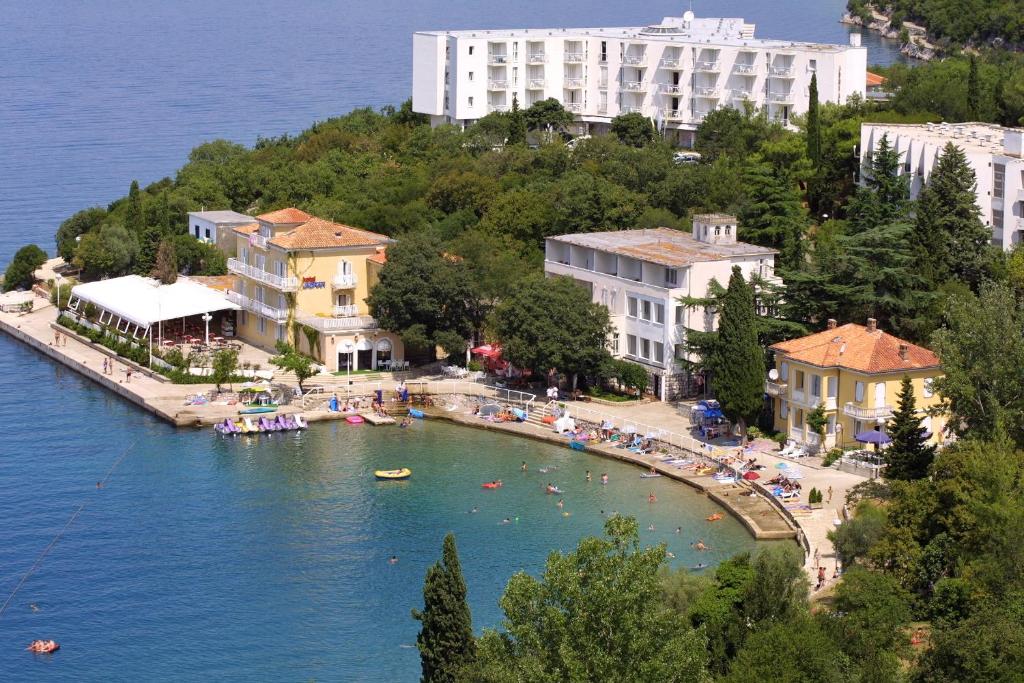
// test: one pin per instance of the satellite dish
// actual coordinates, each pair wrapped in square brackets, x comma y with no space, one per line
[773,374]
[688,16]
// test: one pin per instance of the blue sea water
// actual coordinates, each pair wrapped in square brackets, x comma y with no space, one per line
[95,94]
[266,558]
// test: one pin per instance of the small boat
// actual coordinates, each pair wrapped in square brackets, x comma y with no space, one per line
[44,647]
[492,485]
[393,475]
[649,475]
[355,419]
[577,445]
[250,428]
[267,425]
[256,410]
[226,427]
[416,413]
[300,422]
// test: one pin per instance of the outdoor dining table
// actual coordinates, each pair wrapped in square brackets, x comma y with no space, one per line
[386,364]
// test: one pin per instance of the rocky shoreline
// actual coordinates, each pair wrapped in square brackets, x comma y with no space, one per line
[913,37]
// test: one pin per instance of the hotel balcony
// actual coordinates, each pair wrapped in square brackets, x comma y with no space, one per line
[497,85]
[344,281]
[699,116]
[633,86]
[498,107]
[631,110]
[354,322]
[535,84]
[669,63]
[574,83]
[285,284]
[574,107]
[671,89]
[602,109]
[537,58]
[742,95]
[708,92]
[776,388]
[345,311]
[257,240]
[278,315]
[497,59]
[780,97]
[674,115]
[782,72]
[860,413]
[707,67]
[575,57]
[745,69]
[634,60]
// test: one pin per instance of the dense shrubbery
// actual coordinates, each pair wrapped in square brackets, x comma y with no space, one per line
[20,270]
[957,21]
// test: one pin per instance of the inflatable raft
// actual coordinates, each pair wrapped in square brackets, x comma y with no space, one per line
[393,475]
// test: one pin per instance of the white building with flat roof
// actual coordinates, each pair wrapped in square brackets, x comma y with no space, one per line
[639,275]
[674,72]
[217,227]
[994,152]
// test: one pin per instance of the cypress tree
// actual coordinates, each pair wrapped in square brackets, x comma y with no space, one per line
[885,196]
[908,456]
[774,215]
[133,218]
[516,124]
[973,90]
[738,362]
[445,640]
[813,124]
[949,237]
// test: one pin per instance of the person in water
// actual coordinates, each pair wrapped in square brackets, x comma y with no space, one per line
[652,498]
[679,529]
[474,511]
[588,475]
[560,503]
[393,559]
[523,466]
[506,521]
[604,478]
[650,527]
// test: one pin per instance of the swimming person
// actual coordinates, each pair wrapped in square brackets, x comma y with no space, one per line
[604,478]
[650,527]
[393,560]
[506,521]
[560,503]
[652,498]
[588,475]
[679,529]
[523,466]
[474,511]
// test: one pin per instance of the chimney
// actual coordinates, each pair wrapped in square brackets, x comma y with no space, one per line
[832,323]
[904,351]
[872,324]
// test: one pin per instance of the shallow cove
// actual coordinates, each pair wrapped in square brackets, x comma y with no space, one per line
[274,547]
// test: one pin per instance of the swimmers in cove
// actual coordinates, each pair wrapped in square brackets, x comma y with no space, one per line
[393,559]
[506,521]
[604,478]
[588,475]
[679,529]
[699,545]
[652,498]
[650,527]
[560,503]
[670,555]
[474,511]
[523,466]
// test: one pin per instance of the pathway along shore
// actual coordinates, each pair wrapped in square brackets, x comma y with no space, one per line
[762,515]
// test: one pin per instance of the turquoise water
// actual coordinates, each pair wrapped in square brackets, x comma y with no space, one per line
[265,558]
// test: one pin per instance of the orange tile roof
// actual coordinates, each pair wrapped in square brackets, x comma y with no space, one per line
[247,229]
[316,233]
[284,216]
[875,79]
[380,257]
[855,347]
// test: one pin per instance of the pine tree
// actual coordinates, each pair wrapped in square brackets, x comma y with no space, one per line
[445,640]
[813,124]
[166,266]
[908,456]
[885,196]
[133,218]
[949,238]
[774,215]
[516,124]
[737,362]
[973,90]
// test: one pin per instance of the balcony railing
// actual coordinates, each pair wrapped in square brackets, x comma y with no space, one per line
[671,88]
[345,311]
[631,110]
[537,58]
[860,413]
[498,107]
[782,97]
[674,114]
[344,280]
[497,85]
[742,95]
[257,240]
[355,322]
[574,83]
[707,67]
[285,284]
[706,92]
[633,86]
[669,63]
[276,314]
[602,109]
[575,57]
[744,68]
[536,84]
[574,107]
[634,60]
[497,59]
[782,71]
[775,388]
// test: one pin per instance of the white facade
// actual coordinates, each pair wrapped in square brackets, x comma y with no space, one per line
[674,72]
[639,275]
[993,152]
[217,227]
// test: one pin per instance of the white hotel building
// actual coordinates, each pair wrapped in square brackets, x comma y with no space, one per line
[674,72]
[639,275]
[994,152]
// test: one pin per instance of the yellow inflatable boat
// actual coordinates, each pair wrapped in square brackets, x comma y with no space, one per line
[391,475]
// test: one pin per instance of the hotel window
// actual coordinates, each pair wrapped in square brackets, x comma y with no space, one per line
[858,392]
[471,101]
[265,231]
[645,348]
[280,333]
[207,233]
[197,231]
[245,254]
[659,313]
[261,324]
[281,302]
[812,65]
[680,352]
[998,180]
[928,388]
[997,218]
[784,371]
[671,276]
[679,314]
[631,344]
[783,408]
[816,386]
[799,380]
[613,345]
[645,310]
[659,352]
[279,268]
[631,306]
[470,75]
[470,49]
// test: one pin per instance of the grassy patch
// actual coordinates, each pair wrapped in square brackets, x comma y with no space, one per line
[605,395]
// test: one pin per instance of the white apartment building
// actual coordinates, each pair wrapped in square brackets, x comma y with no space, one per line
[639,275]
[674,72]
[994,152]
[217,227]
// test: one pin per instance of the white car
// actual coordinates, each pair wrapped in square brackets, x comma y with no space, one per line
[686,158]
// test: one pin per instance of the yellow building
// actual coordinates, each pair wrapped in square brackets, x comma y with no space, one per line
[305,280]
[855,371]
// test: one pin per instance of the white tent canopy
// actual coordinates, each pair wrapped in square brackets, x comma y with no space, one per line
[144,301]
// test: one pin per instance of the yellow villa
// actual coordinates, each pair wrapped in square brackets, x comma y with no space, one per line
[305,280]
[855,371]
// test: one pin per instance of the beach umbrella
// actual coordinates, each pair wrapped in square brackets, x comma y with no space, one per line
[490,409]
[781,465]
[751,476]
[873,436]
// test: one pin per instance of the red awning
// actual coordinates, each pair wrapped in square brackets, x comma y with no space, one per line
[487,350]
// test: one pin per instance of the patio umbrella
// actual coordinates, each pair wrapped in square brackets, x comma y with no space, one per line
[487,350]
[751,476]
[873,436]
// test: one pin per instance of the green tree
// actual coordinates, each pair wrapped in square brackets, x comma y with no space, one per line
[813,123]
[909,455]
[817,420]
[133,217]
[547,114]
[552,323]
[884,198]
[797,651]
[987,647]
[224,364]
[779,588]
[855,537]
[973,90]
[70,230]
[773,214]
[166,267]
[516,124]
[633,129]
[870,611]
[595,613]
[290,360]
[20,273]
[981,347]
[107,252]
[737,360]
[445,640]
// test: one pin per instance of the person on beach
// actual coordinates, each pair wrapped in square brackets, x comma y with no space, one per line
[821,578]
[56,338]
[829,495]
[128,376]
